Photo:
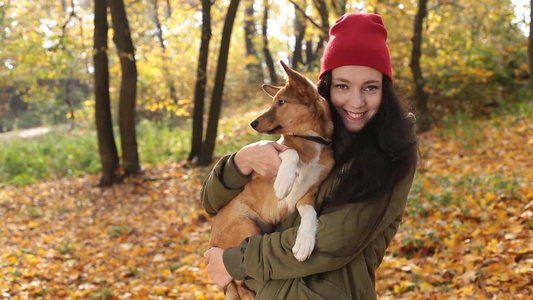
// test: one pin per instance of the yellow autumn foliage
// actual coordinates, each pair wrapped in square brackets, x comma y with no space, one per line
[467,232]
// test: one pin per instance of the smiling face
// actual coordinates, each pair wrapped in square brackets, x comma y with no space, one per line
[356,93]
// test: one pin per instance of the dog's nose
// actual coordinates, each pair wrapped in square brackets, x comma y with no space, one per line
[254,124]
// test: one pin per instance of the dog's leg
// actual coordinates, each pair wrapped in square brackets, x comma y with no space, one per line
[287,173]
[231,292]
[306,236]
[244,293]
[236,290]
[302,196]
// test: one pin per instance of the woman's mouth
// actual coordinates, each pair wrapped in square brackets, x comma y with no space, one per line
[355,116]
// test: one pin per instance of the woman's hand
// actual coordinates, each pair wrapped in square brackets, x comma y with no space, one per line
[216,268]
[261,157]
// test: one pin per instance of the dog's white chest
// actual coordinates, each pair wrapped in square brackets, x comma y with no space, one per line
[295,178]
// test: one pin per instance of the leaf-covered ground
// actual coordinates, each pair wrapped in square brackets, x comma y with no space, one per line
[467,232]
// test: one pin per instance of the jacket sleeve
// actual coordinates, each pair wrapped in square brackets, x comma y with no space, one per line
[222,184]
[266,257]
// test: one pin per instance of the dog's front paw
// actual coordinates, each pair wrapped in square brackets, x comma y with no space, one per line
[306,236]
[304,245]
[287,173]
[283,185]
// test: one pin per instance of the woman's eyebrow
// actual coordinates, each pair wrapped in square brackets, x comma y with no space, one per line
[373,81]
[344,80]
[341,79]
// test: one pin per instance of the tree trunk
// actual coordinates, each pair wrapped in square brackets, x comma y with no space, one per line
[299,33]
[313,61]
[104,124]
[530,45]
[201,82]
[68,100]
[128,87]
[313,54]
[339,6]
[266,51]
[159,35]
[323,11]
[216,100]
[169,9]
[421,104]
[253,63]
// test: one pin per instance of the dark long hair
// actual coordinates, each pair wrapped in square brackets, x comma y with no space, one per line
[374,159]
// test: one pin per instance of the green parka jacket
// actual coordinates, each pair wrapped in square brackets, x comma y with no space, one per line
[333,271]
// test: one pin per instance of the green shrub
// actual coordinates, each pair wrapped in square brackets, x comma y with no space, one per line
[160,142]
[54,155]
[74,153]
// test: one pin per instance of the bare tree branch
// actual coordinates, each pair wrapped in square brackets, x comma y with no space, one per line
[443,3]
[321,28]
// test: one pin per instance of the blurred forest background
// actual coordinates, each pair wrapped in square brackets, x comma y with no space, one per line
[148,93]
[170,63]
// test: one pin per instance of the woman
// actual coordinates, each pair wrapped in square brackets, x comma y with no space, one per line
[360,204]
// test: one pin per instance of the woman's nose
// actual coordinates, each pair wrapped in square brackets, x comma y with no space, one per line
[358,100]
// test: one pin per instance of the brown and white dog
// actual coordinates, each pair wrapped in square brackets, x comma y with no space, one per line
[303,119]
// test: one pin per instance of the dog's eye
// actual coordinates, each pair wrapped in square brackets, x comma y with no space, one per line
[281,102]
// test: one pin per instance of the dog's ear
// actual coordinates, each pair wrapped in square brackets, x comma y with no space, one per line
[270,89]
[304,86]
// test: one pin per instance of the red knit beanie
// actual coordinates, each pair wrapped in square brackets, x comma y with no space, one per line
[357,39]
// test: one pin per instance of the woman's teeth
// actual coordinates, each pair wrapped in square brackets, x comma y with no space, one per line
[355,115]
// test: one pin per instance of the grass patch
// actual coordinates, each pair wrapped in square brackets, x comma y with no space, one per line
[53,155]
[74,153]
[162,142]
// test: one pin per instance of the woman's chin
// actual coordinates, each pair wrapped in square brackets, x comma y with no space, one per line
[354,126]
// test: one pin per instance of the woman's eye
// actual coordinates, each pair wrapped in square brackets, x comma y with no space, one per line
[341,86]
[281,102]
[371,88]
